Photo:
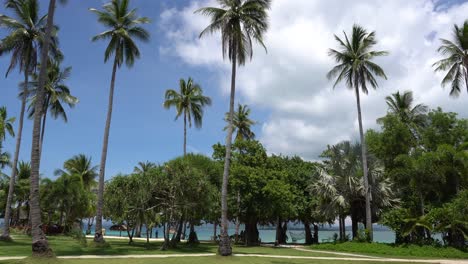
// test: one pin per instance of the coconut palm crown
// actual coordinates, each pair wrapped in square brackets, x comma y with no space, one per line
[455,61]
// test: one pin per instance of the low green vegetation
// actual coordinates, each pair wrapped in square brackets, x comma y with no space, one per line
[390,250]
[196,260]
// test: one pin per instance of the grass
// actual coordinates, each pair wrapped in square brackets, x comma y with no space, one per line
[185,260]
[389,250]
[67,246]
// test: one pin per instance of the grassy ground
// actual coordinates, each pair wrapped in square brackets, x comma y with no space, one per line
[66,246]
[388,250]
[197,260]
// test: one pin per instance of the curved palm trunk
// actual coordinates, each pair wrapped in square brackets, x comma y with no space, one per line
[225,243]
[14,172]
[98,231]
[364,167]
[40,246]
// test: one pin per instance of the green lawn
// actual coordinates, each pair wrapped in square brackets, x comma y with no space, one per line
[388,250]
[66,246]
[187,260]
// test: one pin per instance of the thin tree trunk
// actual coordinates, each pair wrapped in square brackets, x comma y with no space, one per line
[364,167]
[40,246]
[185,134]
[98,232]
[340,224]
[44,118]
[238,216]
[316,234]
[14,172]
[308,233]
[214,230]
[278,231]
[225,243]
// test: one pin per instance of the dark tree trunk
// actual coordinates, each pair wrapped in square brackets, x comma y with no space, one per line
[251,233]
[14,166]
[225,248]
[215,225]
[308,233]
[98,237]
[364,167]
[193,238]
[176,238]
[340,223]
[278,232]
[316,234]
[354,225]
[40,246]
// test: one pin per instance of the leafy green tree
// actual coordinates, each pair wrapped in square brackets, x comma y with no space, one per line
[189,101]
[25,41]
[123,29]
[6,124]
[80,165]
[356,68]
[239,22]
[456,60]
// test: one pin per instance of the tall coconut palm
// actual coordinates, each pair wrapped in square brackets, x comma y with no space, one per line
[57,95]
[80,165]
[24,42]
[123,29]
[356,68]
[241,123]
[144,167]
[455,61]
[189,101]
[40,246]
[240,22]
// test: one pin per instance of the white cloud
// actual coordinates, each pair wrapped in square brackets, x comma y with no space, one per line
[307,114]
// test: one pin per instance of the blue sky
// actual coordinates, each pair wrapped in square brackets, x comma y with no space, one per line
[297,111]
[141,129]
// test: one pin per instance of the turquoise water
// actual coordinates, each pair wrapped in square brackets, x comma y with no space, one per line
[205,232]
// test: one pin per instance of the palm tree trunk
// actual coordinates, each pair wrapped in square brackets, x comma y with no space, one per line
[238,216]
[185,134]
[40,246]
[98,231]
[364,167]
[6,229]
[225,243]
[44,118]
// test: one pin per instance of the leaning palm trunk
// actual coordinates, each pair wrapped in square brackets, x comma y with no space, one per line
[14,172]
[225,243]
[40,246]
[98,232]
[44,118]
[185,134]
[364,168]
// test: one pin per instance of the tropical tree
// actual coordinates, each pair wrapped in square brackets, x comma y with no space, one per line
[40,246]
[456,60]
[242,123]
[80,165]
[189,101]
[356,68]
[239,22]
[26,39]
[123,29]
[6,124]
[57,95]
[402,106]
[144,167]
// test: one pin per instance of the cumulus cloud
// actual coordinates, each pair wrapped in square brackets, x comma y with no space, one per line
[289,80]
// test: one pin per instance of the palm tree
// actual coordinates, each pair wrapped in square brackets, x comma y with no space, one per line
[40,246]
[80,165]
[240,22]
[27,37]
[356,68]
[57,95]
[124,27]
[241,123]
[144,167]
[402,106]
[189,101]
[6,124]
[456,60]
